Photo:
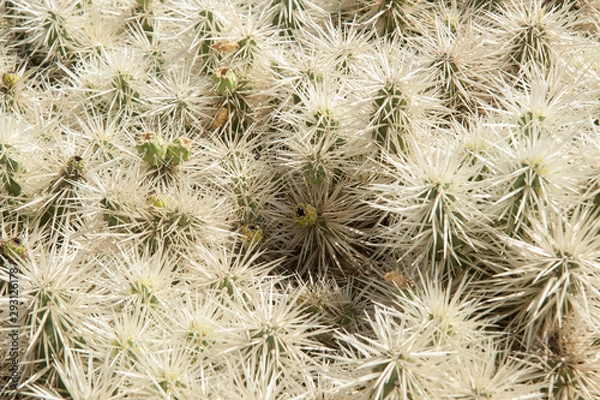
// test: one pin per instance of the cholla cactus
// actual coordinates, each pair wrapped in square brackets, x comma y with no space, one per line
[436,207]
[488,372]
[535,33]
[550,273]
[307,199]
[46,26]
[568,356]
[398,362]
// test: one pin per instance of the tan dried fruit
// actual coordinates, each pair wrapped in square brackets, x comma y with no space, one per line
[394,277]
[226,47]
[220,118]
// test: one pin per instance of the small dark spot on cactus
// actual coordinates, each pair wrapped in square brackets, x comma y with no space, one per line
[300,212]
[554,343]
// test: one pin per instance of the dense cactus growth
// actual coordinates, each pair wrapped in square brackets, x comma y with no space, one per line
[300,199]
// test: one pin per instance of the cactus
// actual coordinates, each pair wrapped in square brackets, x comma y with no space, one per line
[351,199]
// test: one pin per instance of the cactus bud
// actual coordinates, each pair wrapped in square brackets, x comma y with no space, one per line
[10,79]
[152,148]
[13,248]
[225,81]
[305,215]
[314,174]
[178,151]
[252,234]
[157,201]
[74,168]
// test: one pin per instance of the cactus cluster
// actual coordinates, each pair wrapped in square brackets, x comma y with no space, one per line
[300,199]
